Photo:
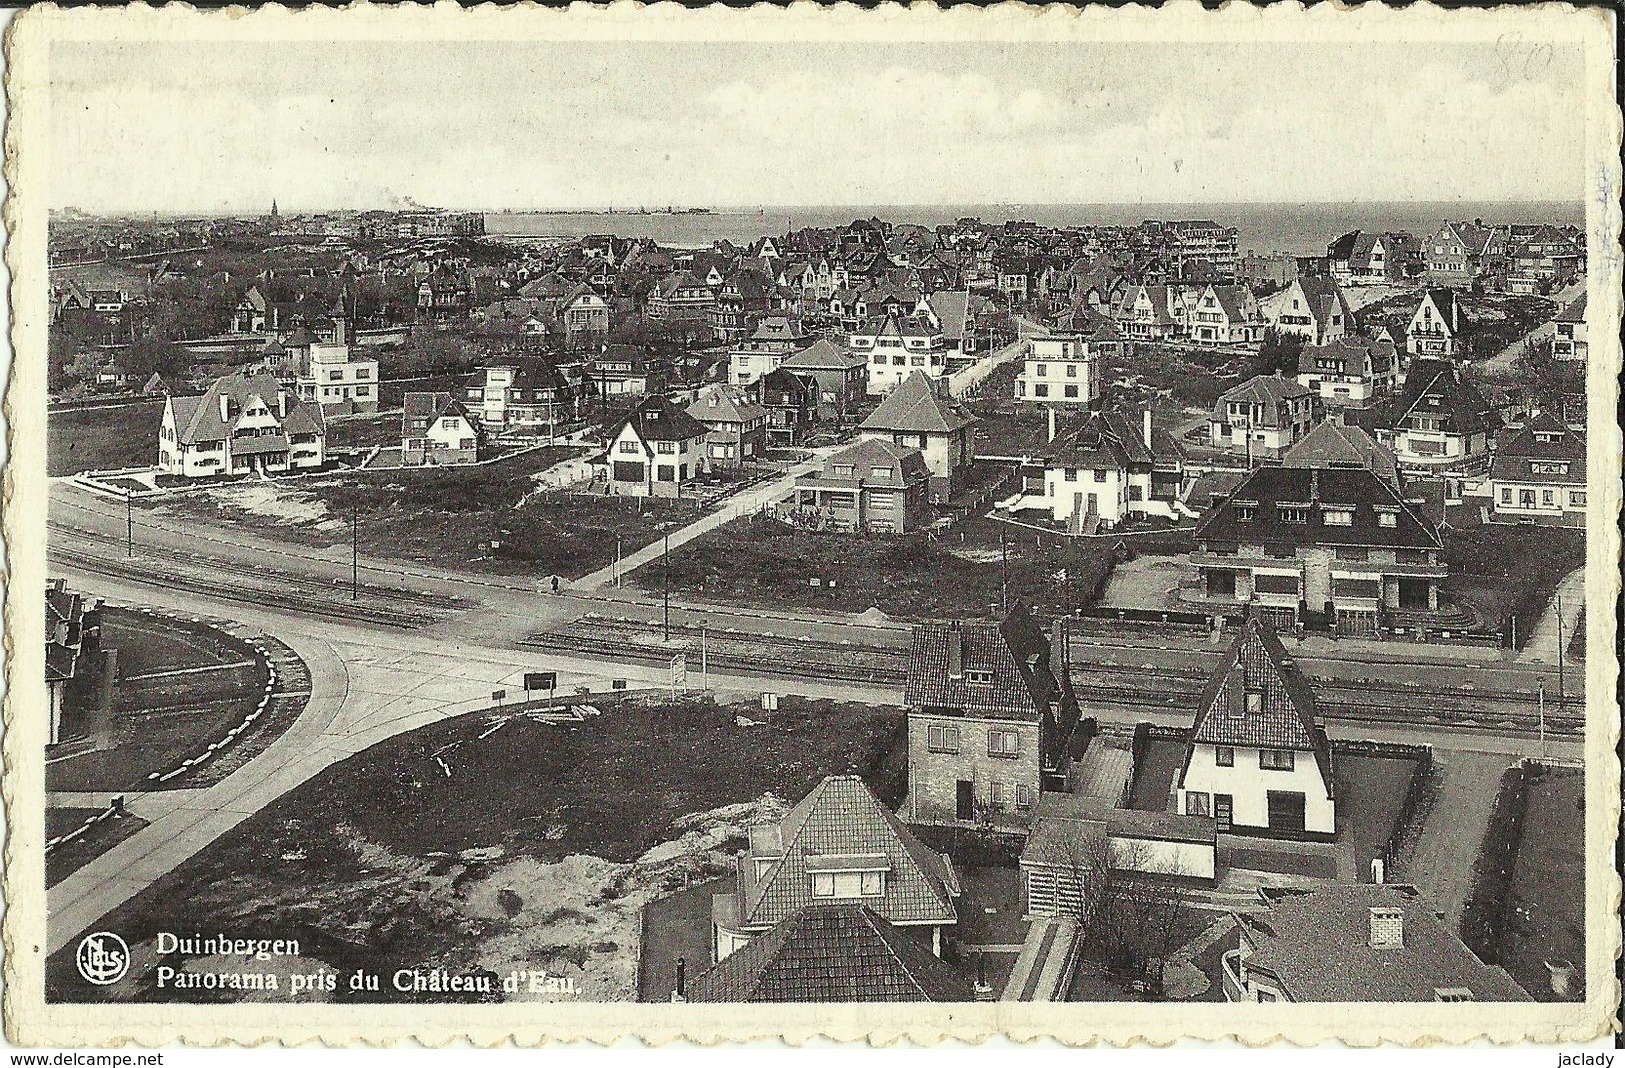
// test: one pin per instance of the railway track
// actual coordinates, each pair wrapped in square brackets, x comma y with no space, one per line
[99,554]
[1132,688]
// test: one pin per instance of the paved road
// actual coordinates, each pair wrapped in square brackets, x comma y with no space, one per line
[1503,361]
[1555,627]
[1441,862]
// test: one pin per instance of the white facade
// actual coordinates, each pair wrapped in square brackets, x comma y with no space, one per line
[892,356]
[1242,779]
[1549,500]
[661,466]
[1058,370]
[335,381]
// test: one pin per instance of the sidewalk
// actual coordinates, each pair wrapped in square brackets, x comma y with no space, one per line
[1553,632]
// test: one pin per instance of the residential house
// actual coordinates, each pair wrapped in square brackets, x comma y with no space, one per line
[1438,421]
[1349,371]
[871,485]
[915,415]
[1098,331]
[1540,475]
[956,312]
[1059,369]
[584,314]
[827,953]
[1075,834]
[683,296]
[838,378]
[436,430]
[897,347]
[1434,326]
[243,423]
[1366,942]
[1262,417]
[736,426]
[443,295]
[328,373]
[1106,472]
[791,403]
[527,396]
[1569,336]
[1312,308]
[655,451]
[622,370]
[1334,443]
[990,706]
[775,338]
[73,656]
[1456,253]
[1258,761]
[1334,540]
[1363,257]
[1226,315]
[837,845]
[1153,313]
[744,295]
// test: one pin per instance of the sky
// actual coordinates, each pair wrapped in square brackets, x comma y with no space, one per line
[538,126]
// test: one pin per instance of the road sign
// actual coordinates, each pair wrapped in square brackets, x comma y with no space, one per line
[541,680]
[679,671]
[498,695]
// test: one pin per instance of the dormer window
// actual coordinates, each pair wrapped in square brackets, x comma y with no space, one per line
[1338,517]
[979,676]
[1255,701]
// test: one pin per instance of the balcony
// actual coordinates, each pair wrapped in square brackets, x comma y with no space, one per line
[1230,968]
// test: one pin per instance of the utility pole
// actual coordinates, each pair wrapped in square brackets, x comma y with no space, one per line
[1541,699]
[355,547]
[665,589]
[129,524]
[1004,574]
[617,561]
[705,667]
[1562,694]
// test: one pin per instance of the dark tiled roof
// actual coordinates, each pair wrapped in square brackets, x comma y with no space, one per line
[198,418]
[1575,312]
[1545,441]
[822,355]
[906,467]
[914,407]
[1348,356]
[1318,944]
[1269,391]
[658,419]
[1285,719]
[842,817]
[1434,387]
[1353,488]
[831,953]
[1334,444]
[1015,652]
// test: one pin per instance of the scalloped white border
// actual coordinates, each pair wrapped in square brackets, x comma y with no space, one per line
[28,1020]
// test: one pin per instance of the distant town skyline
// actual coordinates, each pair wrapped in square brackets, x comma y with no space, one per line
[225,129]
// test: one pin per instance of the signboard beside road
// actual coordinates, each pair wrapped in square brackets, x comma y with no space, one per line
[679,673]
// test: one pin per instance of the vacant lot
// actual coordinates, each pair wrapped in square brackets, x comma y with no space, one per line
[498,840]
[757,560]
[102,439]
[182,686]
[487,517]
[1508,571]
[1546,911]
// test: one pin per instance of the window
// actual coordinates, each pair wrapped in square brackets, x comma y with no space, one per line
[1387,519]
[1224,756]
[1040,389]
[1071,370]
[1024,795]
[1003,743]
[872,884]
[1338,517]
[1506,494]
[629,448]
[1347,553]
[1266,995]
[1452,993]
[1072,391]
[941,738]
[1577,498]
[983,678]
[1099,475]
[1196,803]
[1276,759]
[995,792]
[1071,475]
[1548,497]
[1255,701]
[665,473]
[1245,513]
[882,473]
[1292,513]
[666,448]
[823,884]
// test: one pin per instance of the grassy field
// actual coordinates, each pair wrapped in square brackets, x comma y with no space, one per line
[102,439]
[756,560]
[1508,570]
[450,516]
[1546,918]
[159,722]
[495,839]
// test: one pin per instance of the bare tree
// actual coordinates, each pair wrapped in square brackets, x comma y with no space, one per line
[1134,910]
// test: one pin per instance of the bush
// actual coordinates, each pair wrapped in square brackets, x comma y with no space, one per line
[1484,918]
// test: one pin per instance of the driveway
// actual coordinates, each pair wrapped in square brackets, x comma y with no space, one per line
[1441,862]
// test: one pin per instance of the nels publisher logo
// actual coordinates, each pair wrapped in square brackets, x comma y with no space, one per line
[103,958]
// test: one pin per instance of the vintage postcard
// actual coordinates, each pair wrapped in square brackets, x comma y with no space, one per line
[1055,522]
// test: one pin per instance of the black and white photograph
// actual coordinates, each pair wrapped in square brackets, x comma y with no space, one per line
[1082,525]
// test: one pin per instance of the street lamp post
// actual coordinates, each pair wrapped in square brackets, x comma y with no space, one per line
[665,589]
[355,548]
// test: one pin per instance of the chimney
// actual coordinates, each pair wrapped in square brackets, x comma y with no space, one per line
[956,653]
[1060,656]
[1387,927]
[1147,433]
[1051,423]
[225,408]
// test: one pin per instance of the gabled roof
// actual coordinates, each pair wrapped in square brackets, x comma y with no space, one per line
[658,419]
[1545,451]
[1268,391]
[841,819]
[831,953]
[1349,355]
[197,418]
[429,407]
[1284,718]
[1318,489]
[1435,387]
[952,309]
[1109,439]
[905,467]
[914,407]
[1013,653]
[778,328]
[1317,942]
[717,403]
[1575,312]
[1334,444]
[823,355]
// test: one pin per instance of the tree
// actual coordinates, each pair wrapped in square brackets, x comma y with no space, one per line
[1543,379]
[154,355]
[1278,352]
[1131,905]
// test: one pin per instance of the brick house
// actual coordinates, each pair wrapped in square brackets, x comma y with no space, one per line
[1438,420]
[989,707]
[839,844]
[1569,337]
[1349,371]
[1258,761]
[871,485]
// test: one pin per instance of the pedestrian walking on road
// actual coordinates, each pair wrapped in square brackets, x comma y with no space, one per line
[555,584]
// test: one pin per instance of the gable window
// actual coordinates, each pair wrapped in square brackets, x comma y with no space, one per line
[667,447]
[1387,519]
[1003,743]
[941,738]
[1338,517]
[628,448]
[1255,701]
[1276,759]
[1224,756]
